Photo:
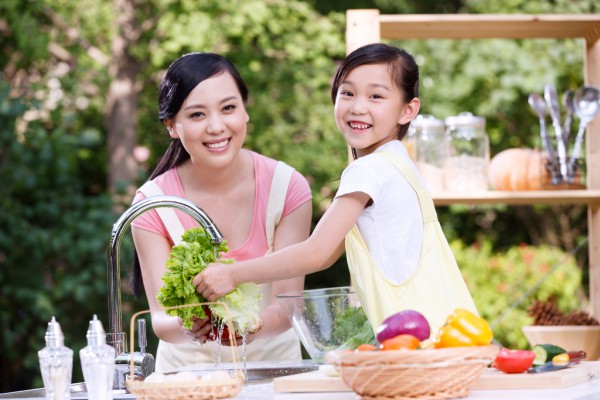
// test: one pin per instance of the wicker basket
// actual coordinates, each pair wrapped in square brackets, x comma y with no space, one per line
[409,374]
[225,386]
[199,389]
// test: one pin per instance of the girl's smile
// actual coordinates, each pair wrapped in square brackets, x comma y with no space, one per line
[369,108]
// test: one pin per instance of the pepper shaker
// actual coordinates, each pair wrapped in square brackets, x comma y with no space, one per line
[97,363]
[56,364]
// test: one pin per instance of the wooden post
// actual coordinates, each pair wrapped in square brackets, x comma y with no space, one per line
[362,27]
[592,77]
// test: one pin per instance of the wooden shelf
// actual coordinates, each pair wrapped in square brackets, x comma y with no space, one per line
[480,26]
[520,197]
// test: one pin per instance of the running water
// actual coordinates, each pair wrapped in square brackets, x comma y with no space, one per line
[220,324]
[244,337]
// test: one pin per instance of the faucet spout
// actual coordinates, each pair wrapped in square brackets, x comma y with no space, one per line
[115,336]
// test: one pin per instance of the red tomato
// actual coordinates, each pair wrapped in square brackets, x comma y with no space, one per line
[404,341]
[365,347]
[513,361]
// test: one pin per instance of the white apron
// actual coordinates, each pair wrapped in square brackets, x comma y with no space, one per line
[437,286]
[283,347]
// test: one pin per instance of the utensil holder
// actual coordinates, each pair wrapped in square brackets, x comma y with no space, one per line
[574,180]
[198,389]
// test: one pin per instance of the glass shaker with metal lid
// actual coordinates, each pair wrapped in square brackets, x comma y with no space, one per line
[431,149]
[466,167]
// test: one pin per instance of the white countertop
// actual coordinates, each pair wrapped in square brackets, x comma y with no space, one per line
[584,391]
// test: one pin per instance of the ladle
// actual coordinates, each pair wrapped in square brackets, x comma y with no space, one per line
[586,102]
[538,105]
[552,99]
[567,100]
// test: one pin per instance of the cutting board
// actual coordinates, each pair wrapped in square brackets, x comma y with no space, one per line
[319,381]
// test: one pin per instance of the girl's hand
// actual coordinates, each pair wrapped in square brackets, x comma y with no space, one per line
[215,281]
[200,331]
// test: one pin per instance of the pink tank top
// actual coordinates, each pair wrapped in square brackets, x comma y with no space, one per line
[256,244]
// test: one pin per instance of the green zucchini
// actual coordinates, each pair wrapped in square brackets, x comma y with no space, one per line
[546,352]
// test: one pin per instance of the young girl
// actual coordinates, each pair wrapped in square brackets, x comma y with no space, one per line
[397,253]
[202,105]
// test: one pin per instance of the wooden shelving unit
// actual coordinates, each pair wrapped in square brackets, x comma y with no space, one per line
[369,26]
[520,198]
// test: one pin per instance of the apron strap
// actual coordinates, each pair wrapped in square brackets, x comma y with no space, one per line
[425,200]
[277,194]
[166,214]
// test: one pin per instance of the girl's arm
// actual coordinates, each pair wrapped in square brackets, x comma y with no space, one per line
[312,255]
[293,228]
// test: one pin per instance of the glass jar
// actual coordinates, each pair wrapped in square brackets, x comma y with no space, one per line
[431,150]
[466,166]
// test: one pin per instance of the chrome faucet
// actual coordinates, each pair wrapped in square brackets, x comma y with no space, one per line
[115,336]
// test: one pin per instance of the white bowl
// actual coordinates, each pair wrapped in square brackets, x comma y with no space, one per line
[569,337]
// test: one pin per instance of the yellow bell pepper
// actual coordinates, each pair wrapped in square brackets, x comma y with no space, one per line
[463,328]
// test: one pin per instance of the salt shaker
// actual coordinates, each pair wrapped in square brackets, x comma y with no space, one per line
[97,362]
[56,364]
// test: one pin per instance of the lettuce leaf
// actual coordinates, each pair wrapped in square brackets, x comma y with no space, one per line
[188,259]
[353,326]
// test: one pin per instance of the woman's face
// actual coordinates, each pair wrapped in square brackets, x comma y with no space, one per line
[211,123]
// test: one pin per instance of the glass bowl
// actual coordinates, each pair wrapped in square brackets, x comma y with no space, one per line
[327,319]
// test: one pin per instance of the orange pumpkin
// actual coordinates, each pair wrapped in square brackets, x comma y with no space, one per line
[518,169]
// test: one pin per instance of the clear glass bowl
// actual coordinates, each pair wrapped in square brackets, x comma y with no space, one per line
[327,319]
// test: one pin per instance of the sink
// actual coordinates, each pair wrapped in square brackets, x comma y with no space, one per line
[256,372]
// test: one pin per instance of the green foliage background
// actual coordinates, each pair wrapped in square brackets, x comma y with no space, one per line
[55,212]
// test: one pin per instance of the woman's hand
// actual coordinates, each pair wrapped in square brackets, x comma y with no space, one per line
[215,281]
[201,330]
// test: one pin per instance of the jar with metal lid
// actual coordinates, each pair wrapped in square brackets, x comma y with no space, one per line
[431,149]
[466,166]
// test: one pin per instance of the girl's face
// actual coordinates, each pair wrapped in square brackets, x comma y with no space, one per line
[369,108]
[211,123]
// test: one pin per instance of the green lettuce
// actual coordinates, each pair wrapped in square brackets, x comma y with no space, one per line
[353,326]
[187,260]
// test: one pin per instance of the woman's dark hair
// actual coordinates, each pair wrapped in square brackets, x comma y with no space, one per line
[402,66]
[182,76]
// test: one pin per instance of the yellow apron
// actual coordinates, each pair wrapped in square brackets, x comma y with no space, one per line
[437,286]
[283,347]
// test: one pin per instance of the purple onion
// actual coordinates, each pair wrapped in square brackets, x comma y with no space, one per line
[406,322]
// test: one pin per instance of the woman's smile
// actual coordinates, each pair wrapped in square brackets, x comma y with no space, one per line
[217,145]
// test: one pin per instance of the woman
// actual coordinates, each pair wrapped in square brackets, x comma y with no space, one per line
[202,104]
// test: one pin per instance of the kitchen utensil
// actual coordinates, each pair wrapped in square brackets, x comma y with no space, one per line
[552,100]
[567,100]
[547,367]
[537,104]
[586,103]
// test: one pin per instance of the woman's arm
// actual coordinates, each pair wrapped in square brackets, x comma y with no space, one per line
[312,255]
[153,251]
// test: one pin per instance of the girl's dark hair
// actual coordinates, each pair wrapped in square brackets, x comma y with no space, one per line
[182,76]
[402,66]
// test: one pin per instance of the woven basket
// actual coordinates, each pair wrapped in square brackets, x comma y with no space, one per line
[187,390]
[196,389]
[409,374]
